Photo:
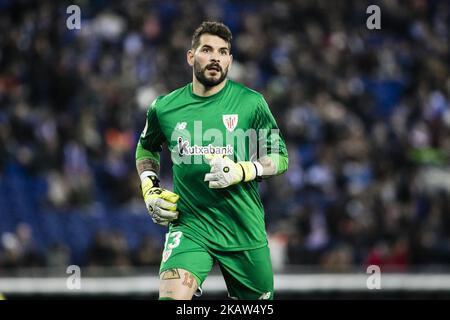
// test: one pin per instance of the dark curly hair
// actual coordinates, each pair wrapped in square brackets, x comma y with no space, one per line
[214,28]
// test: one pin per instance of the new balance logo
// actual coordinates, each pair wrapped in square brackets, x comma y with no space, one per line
[265,296]
[181,126]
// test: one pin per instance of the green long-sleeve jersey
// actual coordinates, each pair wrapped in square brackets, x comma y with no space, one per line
[236,122]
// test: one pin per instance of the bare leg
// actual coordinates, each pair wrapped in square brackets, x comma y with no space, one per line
[177,284]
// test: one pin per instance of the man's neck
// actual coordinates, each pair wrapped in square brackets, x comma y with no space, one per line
[200,90]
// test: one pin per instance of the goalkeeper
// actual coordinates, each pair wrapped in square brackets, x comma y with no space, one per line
[223,139]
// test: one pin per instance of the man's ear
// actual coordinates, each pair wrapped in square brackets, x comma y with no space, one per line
[190,57]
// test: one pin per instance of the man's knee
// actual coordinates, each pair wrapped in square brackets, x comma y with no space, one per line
[178,284]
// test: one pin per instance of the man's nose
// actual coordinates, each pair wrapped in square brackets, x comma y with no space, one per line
[215,57]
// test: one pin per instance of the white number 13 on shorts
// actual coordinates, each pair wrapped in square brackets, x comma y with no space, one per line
[176,238]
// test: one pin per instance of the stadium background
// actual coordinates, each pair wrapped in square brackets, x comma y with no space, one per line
[365,114]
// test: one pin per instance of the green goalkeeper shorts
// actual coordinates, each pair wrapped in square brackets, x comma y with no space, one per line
[248,274]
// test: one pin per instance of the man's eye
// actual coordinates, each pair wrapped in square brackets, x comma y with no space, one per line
[224,52]
[205,50]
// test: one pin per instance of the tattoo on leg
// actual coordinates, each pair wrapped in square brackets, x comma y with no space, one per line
[188,280]
[171,274]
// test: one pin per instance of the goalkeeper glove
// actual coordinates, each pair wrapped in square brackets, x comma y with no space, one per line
[225,172]
[161,204]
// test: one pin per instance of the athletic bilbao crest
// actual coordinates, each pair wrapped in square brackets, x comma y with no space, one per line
[230,121]
[166,255]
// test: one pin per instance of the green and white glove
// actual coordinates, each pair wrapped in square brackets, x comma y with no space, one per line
[161,203]
[225,172]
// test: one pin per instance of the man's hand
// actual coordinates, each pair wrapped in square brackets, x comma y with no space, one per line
[161,204]
[225,172]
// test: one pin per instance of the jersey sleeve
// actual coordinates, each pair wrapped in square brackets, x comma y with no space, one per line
[270,140]
[151,139]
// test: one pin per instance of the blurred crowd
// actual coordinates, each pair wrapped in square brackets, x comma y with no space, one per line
[365,114]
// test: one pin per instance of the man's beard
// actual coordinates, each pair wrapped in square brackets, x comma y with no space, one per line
[200,74]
